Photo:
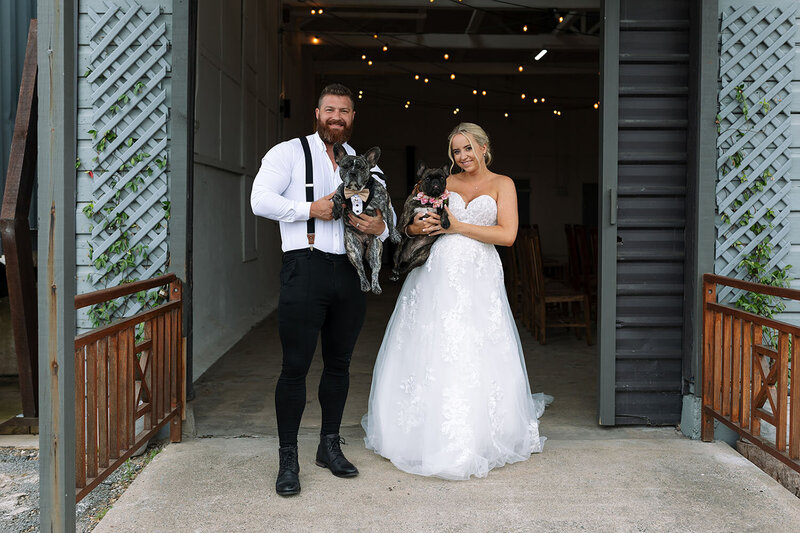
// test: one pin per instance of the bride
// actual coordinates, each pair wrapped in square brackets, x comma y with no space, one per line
[450,394]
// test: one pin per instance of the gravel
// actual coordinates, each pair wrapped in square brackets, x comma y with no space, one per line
[19,489]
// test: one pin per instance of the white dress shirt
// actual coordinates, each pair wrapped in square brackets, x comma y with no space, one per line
[279,193]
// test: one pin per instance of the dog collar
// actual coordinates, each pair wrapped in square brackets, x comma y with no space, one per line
[434,201]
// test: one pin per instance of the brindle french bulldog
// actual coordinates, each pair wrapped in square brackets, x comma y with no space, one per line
[414,251]
[360,193]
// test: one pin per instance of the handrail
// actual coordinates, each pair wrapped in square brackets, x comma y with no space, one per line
[121,381]
[746,380]
[104,295]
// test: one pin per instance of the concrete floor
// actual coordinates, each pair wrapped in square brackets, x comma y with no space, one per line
[588,478]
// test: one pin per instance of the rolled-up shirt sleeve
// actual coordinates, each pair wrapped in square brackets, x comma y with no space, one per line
[267,198]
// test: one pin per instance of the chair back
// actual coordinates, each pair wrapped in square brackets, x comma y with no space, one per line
[574,269]
[537,274]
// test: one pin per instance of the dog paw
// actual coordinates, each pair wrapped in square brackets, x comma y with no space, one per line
[376,289]
[365,286]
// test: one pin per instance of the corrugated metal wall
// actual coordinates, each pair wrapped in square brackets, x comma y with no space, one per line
[15,16]
[653,119]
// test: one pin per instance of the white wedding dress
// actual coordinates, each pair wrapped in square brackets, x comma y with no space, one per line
[450,394]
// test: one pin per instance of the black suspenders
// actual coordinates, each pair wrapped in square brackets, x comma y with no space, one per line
[309,188]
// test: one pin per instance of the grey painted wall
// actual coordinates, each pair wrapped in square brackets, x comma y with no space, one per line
[236,256]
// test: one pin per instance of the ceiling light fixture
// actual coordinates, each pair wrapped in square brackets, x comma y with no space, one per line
[540,54]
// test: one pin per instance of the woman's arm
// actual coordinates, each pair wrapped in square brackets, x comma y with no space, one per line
[503,234]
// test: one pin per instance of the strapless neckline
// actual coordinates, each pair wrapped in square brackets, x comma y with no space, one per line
[467,204]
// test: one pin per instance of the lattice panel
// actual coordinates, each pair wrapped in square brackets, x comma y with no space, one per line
[756,53]
[128,79]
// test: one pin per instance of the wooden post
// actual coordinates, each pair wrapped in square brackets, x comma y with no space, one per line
[16,233]
[57,59]
[176,377]
[707,423]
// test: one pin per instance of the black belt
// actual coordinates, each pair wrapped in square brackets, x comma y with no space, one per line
[309,252]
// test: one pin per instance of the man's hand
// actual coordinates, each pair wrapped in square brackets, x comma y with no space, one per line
[322,208]
[367,224]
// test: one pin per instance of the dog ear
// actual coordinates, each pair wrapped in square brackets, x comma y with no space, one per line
[421,169]
[372,156]
[446,169]
[338,152]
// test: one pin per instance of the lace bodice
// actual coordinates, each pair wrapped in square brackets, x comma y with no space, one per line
[481,211]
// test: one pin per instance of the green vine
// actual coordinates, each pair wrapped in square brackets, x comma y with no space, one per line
[126,252]
[754,264]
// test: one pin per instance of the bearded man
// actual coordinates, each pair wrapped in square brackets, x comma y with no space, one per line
[320,292]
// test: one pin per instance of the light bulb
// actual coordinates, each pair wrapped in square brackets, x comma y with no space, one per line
[313,11]
[542,100]
[416,76]
[425,80]
[483,93]
[315,40]
[369,62]
[525,27]
[452,76]
[560,19]
[320,11]
[520,68]
[374,35]
[535,100]
[474,91]
[363,56]
[541,54]
[522,96]
[505,115]
[385,48]
[447,56]
[596,105]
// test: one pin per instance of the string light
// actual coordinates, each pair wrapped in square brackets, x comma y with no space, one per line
[320,11]
[416,76]
[505,115]
[525,27]
[408,103]
[425,80]
[596,105]
[313,11]
[452,76]
[369,62]
[474,91]
[560,19]
[374,35]
[315,40]
[542,100]
[535,100]
[520,68]
[385,48]
[360,94]
[483,93]
[363,56]
[455,111]
[446,57]
[522,96]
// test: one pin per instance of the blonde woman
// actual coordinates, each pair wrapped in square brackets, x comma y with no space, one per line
[450,394]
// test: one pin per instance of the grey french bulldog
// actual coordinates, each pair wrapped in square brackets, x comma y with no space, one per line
[429,195]
[359,193]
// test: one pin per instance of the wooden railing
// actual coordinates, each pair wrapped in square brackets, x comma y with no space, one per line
[119,381]
[744,371]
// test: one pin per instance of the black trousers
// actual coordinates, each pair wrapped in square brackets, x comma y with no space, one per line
[320,296]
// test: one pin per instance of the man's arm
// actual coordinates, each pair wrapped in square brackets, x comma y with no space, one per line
[271,183]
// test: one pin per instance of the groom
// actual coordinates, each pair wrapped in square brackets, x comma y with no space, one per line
[320,290]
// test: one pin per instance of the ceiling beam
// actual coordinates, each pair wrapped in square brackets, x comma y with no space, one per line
[454,41]
[482,4]
[475,21]
[406,68]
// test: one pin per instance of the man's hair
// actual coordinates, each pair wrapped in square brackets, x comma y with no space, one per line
[336,89]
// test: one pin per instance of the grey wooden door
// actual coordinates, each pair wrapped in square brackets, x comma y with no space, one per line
[644,92]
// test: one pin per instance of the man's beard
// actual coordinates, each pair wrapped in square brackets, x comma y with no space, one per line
[331,136]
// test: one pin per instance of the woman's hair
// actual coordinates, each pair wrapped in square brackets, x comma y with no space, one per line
[476,136]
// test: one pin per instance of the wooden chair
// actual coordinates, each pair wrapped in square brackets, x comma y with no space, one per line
[588,263]
[525,277]
[574,266]
[549,297]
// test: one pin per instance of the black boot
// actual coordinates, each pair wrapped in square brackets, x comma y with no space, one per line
[288,483]
[329,455]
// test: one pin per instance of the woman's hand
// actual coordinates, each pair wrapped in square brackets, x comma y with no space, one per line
[418,225]
[434,226]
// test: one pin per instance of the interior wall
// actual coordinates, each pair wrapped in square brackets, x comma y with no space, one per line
[236,257]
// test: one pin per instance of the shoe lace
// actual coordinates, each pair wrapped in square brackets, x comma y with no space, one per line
[288,459]
[334,445]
